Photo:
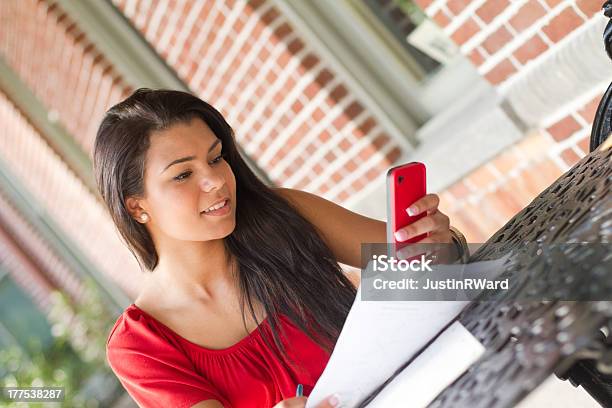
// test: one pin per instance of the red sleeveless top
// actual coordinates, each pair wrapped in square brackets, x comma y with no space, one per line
[159,368]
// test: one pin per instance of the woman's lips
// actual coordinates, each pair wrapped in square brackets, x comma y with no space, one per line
[219,212]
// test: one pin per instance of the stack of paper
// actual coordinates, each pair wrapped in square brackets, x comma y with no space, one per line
[379,337]
[442,362]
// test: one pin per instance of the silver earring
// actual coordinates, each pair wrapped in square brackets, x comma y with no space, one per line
[144,217]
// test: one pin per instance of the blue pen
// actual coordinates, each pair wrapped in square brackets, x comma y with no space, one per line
[299,391]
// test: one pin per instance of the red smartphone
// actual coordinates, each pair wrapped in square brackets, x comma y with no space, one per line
[405,185]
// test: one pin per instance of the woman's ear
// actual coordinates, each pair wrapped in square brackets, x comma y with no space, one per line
[134,207]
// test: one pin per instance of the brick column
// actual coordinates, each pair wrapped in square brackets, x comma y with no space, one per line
[504,39]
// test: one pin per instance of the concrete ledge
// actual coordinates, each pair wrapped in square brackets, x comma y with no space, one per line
[574,68]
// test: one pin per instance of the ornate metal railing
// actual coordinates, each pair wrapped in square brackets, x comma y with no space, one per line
[601,124]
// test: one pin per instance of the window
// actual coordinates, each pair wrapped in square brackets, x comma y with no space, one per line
[401,18]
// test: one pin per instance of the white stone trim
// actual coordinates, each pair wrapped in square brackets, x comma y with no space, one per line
[574,68]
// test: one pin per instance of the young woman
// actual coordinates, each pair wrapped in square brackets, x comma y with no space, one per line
[242,298]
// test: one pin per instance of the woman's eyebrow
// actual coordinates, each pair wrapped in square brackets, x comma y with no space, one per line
[188,158]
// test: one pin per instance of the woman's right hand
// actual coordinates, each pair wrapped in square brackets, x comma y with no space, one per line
[300,402]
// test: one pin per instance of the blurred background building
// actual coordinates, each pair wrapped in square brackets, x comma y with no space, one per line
[497,97]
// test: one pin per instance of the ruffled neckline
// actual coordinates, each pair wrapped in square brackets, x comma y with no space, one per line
[242,342]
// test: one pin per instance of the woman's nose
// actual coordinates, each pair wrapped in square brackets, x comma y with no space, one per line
[209,183]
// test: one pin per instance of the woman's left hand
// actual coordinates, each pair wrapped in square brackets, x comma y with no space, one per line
[436,224]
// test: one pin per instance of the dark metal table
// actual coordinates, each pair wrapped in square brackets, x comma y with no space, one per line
[559,318]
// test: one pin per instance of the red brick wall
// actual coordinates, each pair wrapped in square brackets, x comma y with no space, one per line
[501,38]
[486,199]
[296,117]
[76,85]
[291,111]
[65,200]
[60,66]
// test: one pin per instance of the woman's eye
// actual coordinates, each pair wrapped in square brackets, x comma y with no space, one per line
[182,176]
[186,174]
[218,158]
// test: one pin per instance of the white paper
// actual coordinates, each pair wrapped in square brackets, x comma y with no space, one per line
[453,352]
[378,337]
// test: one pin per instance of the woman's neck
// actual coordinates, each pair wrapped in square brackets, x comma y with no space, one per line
[192,271]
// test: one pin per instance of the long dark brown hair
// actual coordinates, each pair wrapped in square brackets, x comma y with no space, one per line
[282,260]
